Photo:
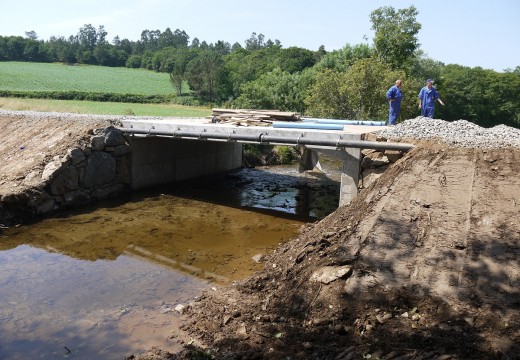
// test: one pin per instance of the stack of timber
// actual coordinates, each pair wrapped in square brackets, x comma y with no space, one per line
[243,117]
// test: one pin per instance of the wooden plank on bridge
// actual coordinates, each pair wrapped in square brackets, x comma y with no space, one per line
[251,117]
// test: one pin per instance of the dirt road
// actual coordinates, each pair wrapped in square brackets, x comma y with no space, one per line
[425,263]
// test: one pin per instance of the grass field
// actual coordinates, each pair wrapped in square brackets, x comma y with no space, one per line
[108,108]
[34,77]
[27,76]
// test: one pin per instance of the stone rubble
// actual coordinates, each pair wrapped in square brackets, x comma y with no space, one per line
[460,133]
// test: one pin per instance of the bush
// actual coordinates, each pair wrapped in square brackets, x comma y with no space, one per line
[262,155]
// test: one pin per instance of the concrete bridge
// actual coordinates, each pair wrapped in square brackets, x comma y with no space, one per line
[178,149]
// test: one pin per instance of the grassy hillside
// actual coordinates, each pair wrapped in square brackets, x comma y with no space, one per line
[26,76]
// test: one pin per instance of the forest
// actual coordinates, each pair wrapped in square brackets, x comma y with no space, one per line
[348,83]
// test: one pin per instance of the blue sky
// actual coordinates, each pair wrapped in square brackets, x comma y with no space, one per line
[469,33]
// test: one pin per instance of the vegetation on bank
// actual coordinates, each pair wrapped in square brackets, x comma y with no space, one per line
[349,83]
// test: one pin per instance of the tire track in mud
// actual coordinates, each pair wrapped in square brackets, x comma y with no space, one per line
[492,275]
[417,227]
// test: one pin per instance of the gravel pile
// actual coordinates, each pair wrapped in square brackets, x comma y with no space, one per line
[458,133]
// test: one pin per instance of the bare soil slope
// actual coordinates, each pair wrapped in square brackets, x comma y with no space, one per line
[423,264]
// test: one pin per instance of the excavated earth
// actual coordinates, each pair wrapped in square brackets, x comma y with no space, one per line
[423,264]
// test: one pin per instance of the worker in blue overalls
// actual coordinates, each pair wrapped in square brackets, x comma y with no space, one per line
[427,97]
[395,96]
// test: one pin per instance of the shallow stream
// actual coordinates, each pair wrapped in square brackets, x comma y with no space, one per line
[103,282]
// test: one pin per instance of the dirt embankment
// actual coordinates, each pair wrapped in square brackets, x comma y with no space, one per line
[423,264]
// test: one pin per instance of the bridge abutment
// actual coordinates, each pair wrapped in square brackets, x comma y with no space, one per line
[160,160]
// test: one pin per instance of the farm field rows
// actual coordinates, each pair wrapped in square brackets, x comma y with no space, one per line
[26,76]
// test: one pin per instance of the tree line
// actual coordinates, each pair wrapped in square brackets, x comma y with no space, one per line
[349,83]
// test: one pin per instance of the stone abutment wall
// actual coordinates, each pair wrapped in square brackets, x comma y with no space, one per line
[81,176]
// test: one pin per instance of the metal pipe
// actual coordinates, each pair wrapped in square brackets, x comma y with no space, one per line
[269,139]
[344,122]
[360,144]
[306,125]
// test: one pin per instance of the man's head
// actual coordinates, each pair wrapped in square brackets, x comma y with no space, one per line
[398,83]
[429,83]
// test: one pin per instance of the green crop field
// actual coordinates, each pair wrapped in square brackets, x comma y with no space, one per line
[26,76]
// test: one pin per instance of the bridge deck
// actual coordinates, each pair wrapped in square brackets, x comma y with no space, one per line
[203,125]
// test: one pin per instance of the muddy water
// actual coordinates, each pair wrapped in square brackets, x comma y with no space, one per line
[103,282]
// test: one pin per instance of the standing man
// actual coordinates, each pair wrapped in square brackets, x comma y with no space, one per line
[395,96]
[427,97]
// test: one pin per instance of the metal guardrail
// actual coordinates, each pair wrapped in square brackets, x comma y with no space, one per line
[270,139]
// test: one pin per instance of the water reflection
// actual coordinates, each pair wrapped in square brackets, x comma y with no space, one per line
[307,196]
[97,282]
[95,309]
[102,282]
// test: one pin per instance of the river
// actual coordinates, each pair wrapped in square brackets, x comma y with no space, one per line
[103,281]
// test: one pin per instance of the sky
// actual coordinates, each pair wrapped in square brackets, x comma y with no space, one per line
[470,33]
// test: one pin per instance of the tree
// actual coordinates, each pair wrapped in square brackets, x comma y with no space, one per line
[149,40]
[396,34]
[221,47]
[181,39]
[358,93]
[195,43]
[326,98]
[181,58]
[15,48]
[516,70]
[295,59]
[244,66]
[101,35]
[423,67]
[166,39]
[133,61]
[484,97]
[33,51]
[257,42]
[343,58]
[204,73]
[87,37]
[274,90]
[31,35]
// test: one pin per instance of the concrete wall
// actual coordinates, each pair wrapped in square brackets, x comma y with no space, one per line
[159,160]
